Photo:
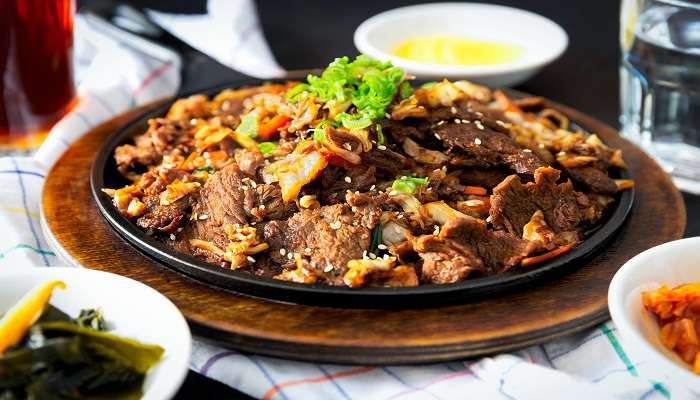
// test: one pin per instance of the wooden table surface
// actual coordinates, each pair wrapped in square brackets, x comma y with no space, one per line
[585,77]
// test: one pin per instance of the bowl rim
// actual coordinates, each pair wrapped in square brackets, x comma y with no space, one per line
[175,380]
[618,313]
[364,45]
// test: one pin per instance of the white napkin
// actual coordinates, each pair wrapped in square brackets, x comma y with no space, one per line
[113,78]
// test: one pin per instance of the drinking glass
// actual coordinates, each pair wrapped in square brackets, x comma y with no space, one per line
[36,71]
[660,83]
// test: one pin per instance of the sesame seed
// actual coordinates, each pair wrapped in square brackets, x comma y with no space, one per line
[465,121]
[335,225]
[488,219]
[253,223]
[348,179]
[172,237]
[180,229]
[541,145]
[253,184]
[290,255]
[382,246]
[353,208]
[386,256]
[438,137]
[328,268]
[501,123]
[381,147]
[372,256]
[479,125]
[307,250]
[440,122]
[373,187]
[387,115]
[458,121]
[262,206]
[453,110]
[283,251]
[347,146]
[474,203]
[479,113]
[527,150]
[477,141]
[250,259]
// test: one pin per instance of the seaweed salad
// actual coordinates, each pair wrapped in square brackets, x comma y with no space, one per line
[46,354]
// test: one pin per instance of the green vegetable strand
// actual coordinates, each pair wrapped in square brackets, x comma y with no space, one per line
[208,168]
[380,135]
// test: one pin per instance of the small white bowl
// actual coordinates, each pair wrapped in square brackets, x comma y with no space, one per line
[135,310]
[671,264]
[541,39]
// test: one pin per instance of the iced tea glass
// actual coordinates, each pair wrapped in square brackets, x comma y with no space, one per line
[36,71]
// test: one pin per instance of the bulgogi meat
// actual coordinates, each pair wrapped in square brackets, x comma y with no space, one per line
[356,178]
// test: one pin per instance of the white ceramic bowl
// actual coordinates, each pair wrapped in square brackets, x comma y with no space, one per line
[135,310]
[541,39]
[670,264]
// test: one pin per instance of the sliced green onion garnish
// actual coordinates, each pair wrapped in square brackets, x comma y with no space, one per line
[405,90]
[248,126]
[370,86]
[266,147]
[408,184]
[428,85]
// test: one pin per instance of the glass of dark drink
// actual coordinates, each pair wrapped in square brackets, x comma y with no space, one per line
[36,69]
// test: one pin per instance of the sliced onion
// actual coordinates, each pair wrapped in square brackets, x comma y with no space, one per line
[423,155]
[440,212]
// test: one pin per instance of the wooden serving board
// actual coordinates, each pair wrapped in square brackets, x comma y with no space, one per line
[546,310]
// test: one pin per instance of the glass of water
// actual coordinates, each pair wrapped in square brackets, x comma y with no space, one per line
[660,83]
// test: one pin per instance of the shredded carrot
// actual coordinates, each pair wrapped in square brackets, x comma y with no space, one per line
[269,128]
[526,262]
[476,190]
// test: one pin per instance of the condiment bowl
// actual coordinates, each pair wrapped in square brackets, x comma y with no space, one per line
[133,309]
[541,40]
[671,264]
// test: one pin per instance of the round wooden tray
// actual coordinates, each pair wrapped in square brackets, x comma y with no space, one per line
[546,310]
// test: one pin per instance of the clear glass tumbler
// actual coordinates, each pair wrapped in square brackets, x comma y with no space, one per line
[660,83]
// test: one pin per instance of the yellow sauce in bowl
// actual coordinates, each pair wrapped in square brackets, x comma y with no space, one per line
[454,50]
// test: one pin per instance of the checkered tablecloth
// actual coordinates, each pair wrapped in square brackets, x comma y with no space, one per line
[113,78]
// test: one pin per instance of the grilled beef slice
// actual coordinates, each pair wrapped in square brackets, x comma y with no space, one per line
[513,204]
[149,147]
[477,145]
[326,238]
[594,179]
[466,245]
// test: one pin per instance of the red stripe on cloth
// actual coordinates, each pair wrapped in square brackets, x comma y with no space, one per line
[153,75]
[324,378]
[434,381]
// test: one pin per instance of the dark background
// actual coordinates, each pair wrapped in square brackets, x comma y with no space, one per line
[307,34]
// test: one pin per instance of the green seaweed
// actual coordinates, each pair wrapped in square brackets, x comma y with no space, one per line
[60,359]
